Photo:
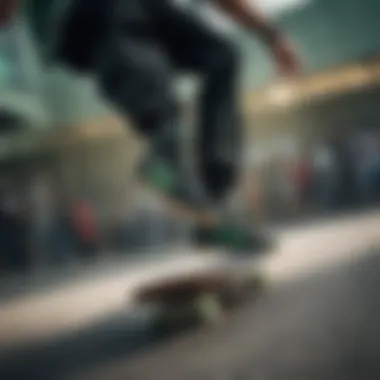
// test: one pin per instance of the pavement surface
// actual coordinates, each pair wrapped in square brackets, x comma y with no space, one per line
[318,319]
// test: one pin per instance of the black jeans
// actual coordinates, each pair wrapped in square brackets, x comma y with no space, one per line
[150,41]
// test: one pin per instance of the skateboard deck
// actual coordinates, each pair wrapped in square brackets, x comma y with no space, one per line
[201,298]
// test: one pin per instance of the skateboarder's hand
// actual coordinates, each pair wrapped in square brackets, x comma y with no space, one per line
[286,58]
[7,10]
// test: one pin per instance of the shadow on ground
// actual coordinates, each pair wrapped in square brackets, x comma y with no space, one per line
[109,339]
[323,327]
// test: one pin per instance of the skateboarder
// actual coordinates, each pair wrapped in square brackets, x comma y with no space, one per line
[134,49]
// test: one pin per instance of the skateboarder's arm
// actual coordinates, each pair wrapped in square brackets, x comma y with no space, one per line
[245,13]
[7,11]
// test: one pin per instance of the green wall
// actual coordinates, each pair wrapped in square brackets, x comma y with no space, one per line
[327,33]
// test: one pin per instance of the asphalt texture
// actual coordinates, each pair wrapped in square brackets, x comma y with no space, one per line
[324,327]
[321,325]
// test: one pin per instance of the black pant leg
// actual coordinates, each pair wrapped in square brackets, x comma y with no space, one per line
[194,46]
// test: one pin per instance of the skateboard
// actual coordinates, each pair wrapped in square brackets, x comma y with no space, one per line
[202,298]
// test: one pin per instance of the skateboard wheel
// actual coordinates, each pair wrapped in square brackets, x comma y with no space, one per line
[209,308]
[204,309]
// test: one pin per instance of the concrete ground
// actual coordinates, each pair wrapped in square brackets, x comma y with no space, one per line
[317,320]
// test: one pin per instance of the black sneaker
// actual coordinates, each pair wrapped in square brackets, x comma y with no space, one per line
[163,170]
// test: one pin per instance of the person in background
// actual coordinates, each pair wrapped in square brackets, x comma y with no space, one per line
[346,196]
[289,186]
[365,155]
[85,228]
[4,226]
[63,243]
[303,177]
[15,227]
[41,204]
[377,165]
[324,168]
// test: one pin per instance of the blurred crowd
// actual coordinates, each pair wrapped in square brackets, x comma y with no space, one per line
[38,226]
[42,226]
[335,173]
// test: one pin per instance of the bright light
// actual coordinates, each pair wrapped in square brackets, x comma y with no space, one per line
[277,7]
[281,95]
